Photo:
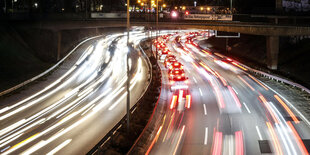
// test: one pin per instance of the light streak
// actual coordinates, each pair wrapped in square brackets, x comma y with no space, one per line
[288,110]
[274,139]
[300,143]
[258,82]
[217,149]
[239,143]
[59,147]
[179,140]
[269,108]
[234,96]
[246,83]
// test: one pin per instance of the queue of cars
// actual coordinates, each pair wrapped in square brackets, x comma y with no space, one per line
[178,82]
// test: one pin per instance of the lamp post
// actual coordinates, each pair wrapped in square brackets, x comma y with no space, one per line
[5,7]
[128,75]
[85,9]
[156,27]
[12,6]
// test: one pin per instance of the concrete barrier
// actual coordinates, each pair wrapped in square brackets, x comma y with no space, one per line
[47,71]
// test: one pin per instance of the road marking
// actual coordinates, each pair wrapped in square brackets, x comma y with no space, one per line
[205,109]
[188,71]
[234,90]
[200,92]
[206,136]
[59,147]
[246,107]
[195,79]
[258,132]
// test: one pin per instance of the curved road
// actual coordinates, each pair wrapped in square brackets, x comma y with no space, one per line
[73,113]
[231,112]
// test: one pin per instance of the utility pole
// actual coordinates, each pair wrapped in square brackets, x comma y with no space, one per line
[5,7]
[128,74]
[12,7]
[86,9]
[156,28]
[231,9]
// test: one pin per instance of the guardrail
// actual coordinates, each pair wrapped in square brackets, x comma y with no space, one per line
[148,125]
[278,79]
[47,71]
[273,77]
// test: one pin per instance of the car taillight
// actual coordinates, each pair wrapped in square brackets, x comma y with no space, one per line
[179,77]
[182,74]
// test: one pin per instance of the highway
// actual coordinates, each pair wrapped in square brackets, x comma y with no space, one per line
[231,111]
[74,112]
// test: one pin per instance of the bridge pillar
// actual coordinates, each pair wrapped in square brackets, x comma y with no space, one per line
[272,49]
[58,44]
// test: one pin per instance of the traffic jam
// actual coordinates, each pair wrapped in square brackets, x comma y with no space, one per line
[178,81]
[226,85]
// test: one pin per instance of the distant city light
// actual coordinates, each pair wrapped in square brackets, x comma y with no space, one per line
[174,14]
[195,3]
[201,8]
[164,5]
[36,5]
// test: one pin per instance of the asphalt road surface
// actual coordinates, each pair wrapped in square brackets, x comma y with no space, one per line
[73,113]
[231,111]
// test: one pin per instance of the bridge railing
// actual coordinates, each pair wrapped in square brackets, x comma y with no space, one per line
[166,17]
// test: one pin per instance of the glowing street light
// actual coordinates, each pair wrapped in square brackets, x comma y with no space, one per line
[174,14]
[201,8]
[164,5]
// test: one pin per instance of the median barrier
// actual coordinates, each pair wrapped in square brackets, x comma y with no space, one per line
[117,140]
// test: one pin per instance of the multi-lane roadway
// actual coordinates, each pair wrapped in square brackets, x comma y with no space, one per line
[231,112]
[74,112]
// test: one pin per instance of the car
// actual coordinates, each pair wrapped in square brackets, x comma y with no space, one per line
[168,62]
[170,56]
[181,98]
[175,65]
[163,54]
[165,51]
[176,74]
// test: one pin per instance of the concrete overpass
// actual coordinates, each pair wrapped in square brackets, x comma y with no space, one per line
[272,32]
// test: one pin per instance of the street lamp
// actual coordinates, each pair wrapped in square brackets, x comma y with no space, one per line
[128,75]
[156,27]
